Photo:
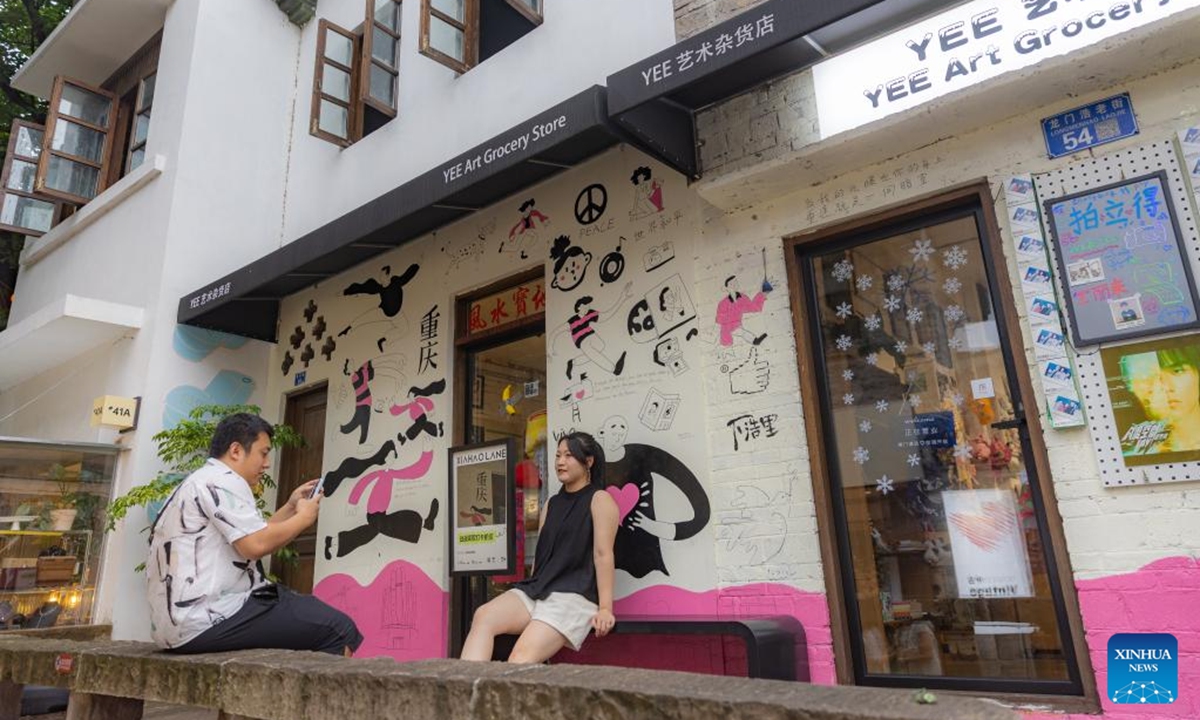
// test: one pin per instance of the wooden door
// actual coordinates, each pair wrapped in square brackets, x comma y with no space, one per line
[306,413]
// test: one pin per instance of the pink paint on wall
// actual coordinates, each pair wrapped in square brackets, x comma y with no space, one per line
[402,613]
[1159,598]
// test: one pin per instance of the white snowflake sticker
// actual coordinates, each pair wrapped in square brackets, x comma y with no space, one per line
[891,303]
[861,455]
[884,485]
[954,313]
[962,452]
[958,399]
[843,271]
[881,406]
[901,346]
[873,322]
[864,282]
[847,375]
[845,310]
[896,282]
[848,399]
[952,286]
[922,250]
[914,459]
[844,343]
[954,258]
[929,348]
[873,359]
[914,315]
[955,343]
[864,426]
[915,401]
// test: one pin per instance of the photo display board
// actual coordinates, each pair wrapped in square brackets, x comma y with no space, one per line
[482,497]
[1121,261]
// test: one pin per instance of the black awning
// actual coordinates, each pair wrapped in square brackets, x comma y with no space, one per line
[654,99]
[246,302]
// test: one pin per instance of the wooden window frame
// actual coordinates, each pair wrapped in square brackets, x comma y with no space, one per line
[530,14]
[833,562]
[470,30]
[368,60]
[52,119]
[354,119]
[132,145]
[9,157]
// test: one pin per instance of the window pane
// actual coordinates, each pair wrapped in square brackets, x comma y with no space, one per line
[148,91]
[334,119]
[453,8]
[141,127]
[71,177]
[78,140]
[534,5]
[387,12]
[446,39]
[21,175]
[27,213]
[84,105]
[338,48]
[383,47]
[136,157]
[29,142]
[383,86]
[335,83]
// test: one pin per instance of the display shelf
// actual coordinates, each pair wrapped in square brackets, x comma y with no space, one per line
[46,590]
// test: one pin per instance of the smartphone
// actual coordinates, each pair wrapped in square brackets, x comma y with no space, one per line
[317,488]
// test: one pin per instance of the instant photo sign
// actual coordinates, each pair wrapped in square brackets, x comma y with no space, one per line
[482,497]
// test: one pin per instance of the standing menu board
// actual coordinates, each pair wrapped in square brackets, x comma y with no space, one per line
[482,493]
[1122,261]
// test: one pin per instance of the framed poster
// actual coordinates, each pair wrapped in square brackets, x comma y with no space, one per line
[482,497]
[1154,389]
[990,558]
[1122,262]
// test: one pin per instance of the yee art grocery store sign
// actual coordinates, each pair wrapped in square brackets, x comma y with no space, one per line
[965,46]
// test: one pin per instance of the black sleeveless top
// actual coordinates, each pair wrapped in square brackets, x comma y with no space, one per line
[563,561]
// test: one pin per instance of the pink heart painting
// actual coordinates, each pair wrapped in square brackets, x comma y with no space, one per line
[626,497]
[986,529]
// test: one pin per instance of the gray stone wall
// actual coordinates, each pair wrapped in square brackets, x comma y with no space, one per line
[757,126]
[692,16]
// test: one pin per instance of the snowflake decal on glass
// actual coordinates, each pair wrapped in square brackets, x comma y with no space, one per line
[861,455]
[844,343]
[955,343]
[864,282]
[873,359]
[881,406]
[845,310]
[873,322]
[922,250]
[929,348]
[952,286]
[914,459]
[843,271]
[848,399]
[957,398]
[884,485]
[864,426]
[891,303]
[847,375]
[901,346]
[914,315]
[954,258]
[962,452]
[915,401]
[896,282]
[954,313]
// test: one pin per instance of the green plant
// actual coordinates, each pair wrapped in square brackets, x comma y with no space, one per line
[184,449]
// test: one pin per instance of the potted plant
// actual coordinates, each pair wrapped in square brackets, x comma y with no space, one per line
[62,508]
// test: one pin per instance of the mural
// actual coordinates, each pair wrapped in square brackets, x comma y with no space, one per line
[228,387]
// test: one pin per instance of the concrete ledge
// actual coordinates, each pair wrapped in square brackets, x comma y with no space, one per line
[284,685]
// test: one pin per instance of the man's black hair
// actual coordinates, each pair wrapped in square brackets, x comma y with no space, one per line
[240,428]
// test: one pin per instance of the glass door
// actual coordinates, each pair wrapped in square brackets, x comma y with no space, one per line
[943,540]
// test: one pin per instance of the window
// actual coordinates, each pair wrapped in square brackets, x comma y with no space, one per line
[460,34]
[381,53]
[335,85]
[77,146]
[21,210]
[141,123]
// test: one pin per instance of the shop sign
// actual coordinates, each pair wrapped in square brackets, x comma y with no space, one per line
[507,306]
[116,412]
[482,500]
[1098,123]
[965,46]
[988,544]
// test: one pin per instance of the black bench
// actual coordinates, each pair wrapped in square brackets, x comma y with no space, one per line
[775,647]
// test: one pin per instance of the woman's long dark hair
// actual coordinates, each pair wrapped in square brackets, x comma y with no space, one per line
[582,446]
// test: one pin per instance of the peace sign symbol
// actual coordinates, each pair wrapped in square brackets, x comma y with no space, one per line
[591,203]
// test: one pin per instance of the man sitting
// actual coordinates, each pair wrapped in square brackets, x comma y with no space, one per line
[206,586]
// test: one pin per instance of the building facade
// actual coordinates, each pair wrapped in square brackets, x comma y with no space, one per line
[882,311]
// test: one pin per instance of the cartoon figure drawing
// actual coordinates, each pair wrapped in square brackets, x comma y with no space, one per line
[374,384]
[581,325]
[647,194]
[631,472]
[524,236]
[734,307]
[391,297]
[361,380]
[570,264]
[476,516]
[405,525]
[418,408]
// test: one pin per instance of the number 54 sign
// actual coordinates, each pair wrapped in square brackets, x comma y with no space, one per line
[1083,127]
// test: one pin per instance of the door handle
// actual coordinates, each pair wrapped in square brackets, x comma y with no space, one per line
[1016,422]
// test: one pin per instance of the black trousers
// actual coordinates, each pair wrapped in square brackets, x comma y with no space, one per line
[277,618]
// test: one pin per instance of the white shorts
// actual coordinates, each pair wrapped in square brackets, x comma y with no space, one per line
[568,613]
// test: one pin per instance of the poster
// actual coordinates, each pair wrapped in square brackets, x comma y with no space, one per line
[987,544]
[482,495]
[1121,257]
[1154,388]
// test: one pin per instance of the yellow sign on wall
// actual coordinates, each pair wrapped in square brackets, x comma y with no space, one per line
[115,411]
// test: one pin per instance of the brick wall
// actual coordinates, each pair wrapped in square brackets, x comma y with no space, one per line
[758,126]
[692,16]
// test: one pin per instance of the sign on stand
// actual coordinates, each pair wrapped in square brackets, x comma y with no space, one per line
[482,498]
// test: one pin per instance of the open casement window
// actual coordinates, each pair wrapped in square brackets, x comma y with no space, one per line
[381,56]
[77,147]
[136,152]
[335,114]
[460,34]
[21,211]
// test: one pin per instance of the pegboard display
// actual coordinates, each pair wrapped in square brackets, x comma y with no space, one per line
[1098,172]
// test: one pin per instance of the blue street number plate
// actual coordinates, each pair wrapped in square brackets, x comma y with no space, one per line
[1101,122]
